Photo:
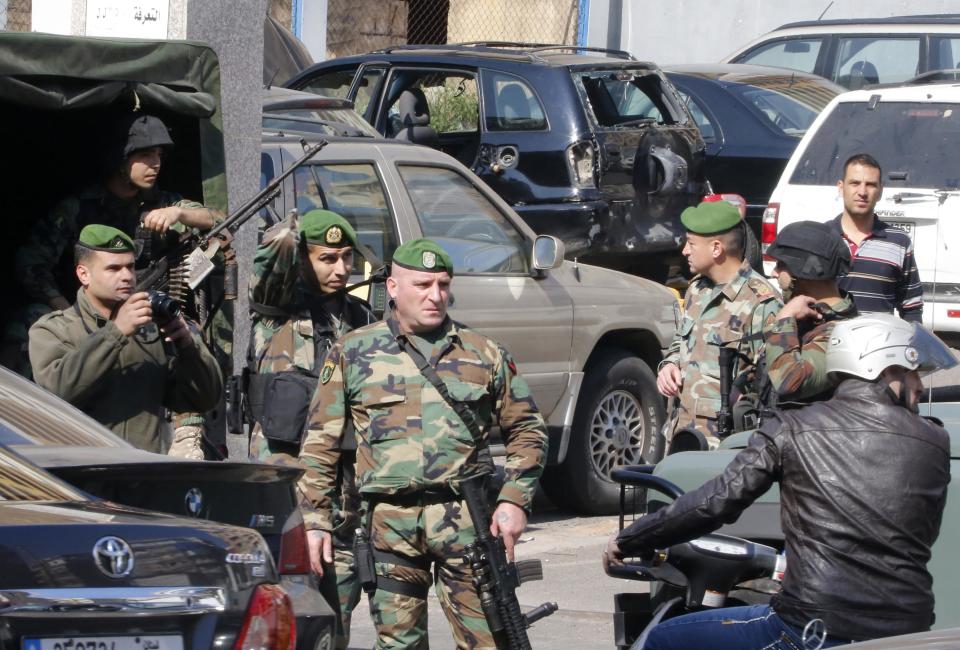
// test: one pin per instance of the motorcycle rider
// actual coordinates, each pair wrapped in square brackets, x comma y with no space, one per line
[863,480]
[810,256]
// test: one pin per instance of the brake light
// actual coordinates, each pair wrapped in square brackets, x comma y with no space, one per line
[735,200]
[294,556]
[768,227]
[580,157]
[269,623]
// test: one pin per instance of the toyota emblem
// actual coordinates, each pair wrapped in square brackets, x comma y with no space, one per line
[113,557]
[193,502]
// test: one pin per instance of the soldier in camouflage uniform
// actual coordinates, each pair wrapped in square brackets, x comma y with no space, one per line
[298,311]
[810,257]
[727,304]
[126,199]
[413,448]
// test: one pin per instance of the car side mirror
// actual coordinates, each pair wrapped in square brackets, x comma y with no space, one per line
[547,252]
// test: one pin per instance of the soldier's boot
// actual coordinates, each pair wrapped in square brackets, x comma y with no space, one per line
[188,442]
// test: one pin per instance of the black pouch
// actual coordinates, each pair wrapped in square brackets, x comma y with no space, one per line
[286,400]
[364,561]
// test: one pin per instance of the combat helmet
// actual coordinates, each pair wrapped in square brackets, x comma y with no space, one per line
[811,251]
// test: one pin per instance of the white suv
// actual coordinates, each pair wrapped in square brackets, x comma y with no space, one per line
[860,52]
[914,133]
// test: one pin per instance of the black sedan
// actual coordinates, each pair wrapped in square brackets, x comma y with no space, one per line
[76,572]
[69,444]
[751,119]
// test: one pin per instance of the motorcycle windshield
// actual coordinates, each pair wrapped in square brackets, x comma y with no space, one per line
[932,353]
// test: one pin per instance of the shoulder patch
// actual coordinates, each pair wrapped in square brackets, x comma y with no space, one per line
[327,371]
[512,366]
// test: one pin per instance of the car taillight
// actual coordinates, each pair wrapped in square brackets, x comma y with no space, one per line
[580,161]
[294,557]
[735,200]
[269,623]
[768,227]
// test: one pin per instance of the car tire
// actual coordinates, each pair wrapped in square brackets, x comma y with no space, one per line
[619,394]
[752,251]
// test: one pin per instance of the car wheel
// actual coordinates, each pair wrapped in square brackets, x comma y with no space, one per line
[752,251]
[618,420]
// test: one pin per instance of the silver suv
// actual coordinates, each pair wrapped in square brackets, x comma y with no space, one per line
[586,338]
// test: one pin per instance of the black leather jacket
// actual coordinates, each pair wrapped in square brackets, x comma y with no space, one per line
[862,488]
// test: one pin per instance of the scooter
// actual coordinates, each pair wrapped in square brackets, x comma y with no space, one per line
[688,577]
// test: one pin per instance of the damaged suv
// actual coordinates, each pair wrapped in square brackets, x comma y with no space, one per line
[586,144]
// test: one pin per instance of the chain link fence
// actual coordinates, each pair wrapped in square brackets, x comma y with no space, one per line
[15,15]
[359,26]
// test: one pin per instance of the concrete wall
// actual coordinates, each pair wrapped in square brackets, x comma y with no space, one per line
[235,31]
[696,31]
[539,21]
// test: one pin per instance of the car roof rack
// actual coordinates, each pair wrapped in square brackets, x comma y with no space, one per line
[936,19]
[531,51]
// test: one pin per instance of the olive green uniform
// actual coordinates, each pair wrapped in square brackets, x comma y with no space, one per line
[124,382]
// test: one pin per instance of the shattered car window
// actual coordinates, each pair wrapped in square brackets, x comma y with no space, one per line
[623,98]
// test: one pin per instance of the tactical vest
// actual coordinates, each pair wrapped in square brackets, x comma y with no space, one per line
[279,401]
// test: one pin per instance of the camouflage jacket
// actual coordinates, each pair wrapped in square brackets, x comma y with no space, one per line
[733,314]
[39,261]
[797,360]
[124,382]
[286,338]
[409,439]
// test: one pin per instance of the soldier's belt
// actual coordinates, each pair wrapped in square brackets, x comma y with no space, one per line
[421,498]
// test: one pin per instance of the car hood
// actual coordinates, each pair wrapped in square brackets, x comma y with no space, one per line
[52,545]
[617,300]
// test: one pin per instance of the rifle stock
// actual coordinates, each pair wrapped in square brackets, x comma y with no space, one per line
[497,579]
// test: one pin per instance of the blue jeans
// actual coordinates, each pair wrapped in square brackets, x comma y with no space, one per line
[754,627]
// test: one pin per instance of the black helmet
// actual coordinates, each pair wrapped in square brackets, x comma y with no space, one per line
[811,251]
[142,132]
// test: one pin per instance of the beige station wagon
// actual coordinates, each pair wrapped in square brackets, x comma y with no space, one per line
[587,339]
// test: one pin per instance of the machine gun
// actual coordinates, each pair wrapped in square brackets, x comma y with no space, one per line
[728,357]
[495,578]
[188,261]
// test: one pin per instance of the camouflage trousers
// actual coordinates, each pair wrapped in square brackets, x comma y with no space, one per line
[426,542]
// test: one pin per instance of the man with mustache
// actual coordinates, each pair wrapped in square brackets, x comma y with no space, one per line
[107,356]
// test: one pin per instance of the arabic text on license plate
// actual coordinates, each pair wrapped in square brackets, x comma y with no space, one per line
[906,226]
[142,642]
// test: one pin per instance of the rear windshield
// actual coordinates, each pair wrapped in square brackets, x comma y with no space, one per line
[22,481]
[914,142]
[328,121]
[30,416]
[625,98]
[789,105]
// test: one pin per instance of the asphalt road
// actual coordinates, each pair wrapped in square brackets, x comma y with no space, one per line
[570,549]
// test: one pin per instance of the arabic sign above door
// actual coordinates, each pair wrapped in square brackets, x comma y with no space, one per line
[126,18]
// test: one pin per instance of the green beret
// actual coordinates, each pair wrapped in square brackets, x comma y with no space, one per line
[326,228]
[104,238]
[423,255]
[710,217]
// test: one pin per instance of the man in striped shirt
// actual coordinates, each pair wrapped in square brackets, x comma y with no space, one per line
[884,275]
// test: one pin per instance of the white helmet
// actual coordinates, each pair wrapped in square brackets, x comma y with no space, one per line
[867,345]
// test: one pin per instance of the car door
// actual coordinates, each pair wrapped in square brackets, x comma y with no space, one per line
[494,291]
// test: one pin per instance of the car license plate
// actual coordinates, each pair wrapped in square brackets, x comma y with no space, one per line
[141,642]
[906,226]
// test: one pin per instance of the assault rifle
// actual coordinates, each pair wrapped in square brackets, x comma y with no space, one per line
[728,357]
[188,261]
[495,578]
